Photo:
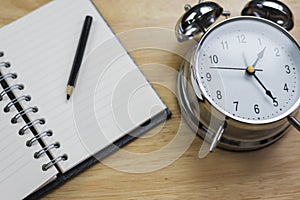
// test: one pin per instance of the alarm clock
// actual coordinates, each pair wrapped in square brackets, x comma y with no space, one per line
[239,86]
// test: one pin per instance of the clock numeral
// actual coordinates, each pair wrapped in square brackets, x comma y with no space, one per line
[214,59]
[276,50]
[219,94]
[285,87]
[208,76]
[242,39]
[225,45]
[287,69]
[259,41]
[236,103]
[256,109]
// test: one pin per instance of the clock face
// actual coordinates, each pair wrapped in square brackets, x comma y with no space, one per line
[249,69]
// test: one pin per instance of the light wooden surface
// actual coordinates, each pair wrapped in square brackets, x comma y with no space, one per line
[270,173]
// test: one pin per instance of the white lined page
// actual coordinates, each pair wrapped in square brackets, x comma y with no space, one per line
[20,172]
[97,114]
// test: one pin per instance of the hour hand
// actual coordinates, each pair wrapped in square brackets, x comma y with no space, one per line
[260,55]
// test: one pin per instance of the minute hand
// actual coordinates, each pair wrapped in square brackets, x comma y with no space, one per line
[233,68]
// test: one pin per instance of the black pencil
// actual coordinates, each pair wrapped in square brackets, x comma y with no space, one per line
[79,55]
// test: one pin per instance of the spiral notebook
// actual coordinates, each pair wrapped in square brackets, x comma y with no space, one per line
[45,139]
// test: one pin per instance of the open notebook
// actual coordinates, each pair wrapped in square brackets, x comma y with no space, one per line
[112,104]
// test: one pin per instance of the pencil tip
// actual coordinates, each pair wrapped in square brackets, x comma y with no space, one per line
[68,97]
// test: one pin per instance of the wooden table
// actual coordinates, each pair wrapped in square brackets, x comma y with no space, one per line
[177,173]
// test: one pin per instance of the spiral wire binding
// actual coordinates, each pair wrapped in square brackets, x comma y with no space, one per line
[11,88]
[17,100]
[30,142]
[5,64]
[15,119]
[50,164]
[30,124]
[8,75]
[39,153]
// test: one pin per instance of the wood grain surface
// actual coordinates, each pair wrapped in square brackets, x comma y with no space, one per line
[164,163]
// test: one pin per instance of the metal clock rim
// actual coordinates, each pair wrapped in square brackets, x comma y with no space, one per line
[219,108]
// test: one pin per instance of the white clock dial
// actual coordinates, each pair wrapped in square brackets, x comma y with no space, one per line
[248,68]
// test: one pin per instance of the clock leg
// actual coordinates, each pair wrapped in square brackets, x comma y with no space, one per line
[294,122]
[217,137]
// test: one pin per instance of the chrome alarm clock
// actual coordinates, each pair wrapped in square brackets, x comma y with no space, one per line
[239,87]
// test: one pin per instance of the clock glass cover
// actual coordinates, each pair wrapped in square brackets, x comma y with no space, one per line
[247,68]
